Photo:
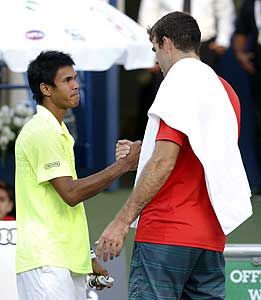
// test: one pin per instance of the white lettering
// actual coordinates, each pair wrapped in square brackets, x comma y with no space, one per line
[245,276]
[255,276]
[236,276]
[255,294]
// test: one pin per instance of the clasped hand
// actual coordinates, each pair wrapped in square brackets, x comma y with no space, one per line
[125,148]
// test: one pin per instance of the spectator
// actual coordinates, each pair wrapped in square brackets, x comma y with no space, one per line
[6,203]
[215,20]
[247,47]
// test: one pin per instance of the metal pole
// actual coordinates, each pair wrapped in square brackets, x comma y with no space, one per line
[88,107]
[112,101]
[242,250]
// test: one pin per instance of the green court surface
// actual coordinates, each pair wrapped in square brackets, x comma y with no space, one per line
[102,208]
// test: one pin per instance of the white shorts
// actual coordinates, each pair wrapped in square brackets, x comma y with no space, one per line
[50,283]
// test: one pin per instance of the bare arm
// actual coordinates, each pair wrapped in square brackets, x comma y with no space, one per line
[240,42]
[75,191]
[152,178]
[244,57]
[154,175]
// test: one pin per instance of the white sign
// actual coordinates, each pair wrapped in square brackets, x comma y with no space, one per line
[7,260]
[8,290]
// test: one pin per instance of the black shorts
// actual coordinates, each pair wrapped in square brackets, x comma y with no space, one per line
[166,272]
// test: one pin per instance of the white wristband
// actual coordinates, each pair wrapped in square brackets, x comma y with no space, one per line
[93,255]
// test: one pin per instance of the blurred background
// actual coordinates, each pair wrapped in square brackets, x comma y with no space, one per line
[113,106]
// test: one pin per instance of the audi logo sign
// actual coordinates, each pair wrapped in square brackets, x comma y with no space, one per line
[8,290]
[7,260]
[7,236]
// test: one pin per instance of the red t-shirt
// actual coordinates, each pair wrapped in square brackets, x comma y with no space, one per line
[181,212]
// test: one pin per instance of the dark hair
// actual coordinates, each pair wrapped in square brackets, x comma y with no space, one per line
[181,28]
[43,70]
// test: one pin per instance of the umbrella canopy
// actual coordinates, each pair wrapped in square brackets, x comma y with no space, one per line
[95,33]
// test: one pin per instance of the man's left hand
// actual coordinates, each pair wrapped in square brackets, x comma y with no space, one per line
[98,269]
[112,240]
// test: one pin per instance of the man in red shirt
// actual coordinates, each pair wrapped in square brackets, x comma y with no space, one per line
[186,174]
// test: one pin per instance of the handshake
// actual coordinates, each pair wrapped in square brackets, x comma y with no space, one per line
[130,151]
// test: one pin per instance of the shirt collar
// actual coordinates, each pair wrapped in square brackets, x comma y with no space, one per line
[46,114]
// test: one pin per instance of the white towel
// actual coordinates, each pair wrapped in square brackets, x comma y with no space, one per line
[209,121]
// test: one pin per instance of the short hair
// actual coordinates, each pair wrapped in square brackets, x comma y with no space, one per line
[181,28]
[43,70]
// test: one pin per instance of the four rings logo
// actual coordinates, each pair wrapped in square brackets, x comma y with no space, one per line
[7,236]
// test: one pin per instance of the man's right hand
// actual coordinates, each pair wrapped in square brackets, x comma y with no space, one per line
[74,191]
[129,151]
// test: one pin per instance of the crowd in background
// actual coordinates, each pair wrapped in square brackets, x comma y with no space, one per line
[230,30]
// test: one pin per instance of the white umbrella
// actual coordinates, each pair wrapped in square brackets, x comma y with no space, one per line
[95,33]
